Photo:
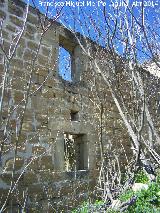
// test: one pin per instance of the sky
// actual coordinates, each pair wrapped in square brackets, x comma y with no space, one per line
[87,17]
[65,64]
[76,13]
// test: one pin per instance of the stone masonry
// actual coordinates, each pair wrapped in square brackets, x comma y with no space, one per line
[57,113]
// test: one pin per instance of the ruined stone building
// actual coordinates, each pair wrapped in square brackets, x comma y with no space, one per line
[63,120]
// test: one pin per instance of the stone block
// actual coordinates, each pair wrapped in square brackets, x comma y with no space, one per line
[81,187]
[18,97]
[41,70]
[18,164]
[49,82]
[52,110]
[38,150]
[32,45]
[13,123]
[29,35]
[19,84]
[22,43]
[15,62]
[35,165]
[32,19]
[2,14]
[48,93]
[66,190]
[49,38]
[10,27]
[58,176]
[42,124]
[27,126]
[5,35]
[41,79]
[16,21]
[19,52]
[1,69]
[6,178]
[36,193]
[29,178]
[39,104]
[93,173]
[6,46]
[35,90]
[31,29]
[28,55]
[13,9]
[46,176]
[21,148]
[46,162]
[45,51]
[42,60]
[33,138]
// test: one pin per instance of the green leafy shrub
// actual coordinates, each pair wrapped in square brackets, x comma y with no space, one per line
[82,209]
[141,177]
[88,207]
[158,176]
[127,195]
[147,200]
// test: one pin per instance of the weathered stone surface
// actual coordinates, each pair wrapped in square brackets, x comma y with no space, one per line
[6,46]
[47,116]
[19,83]
[38,150]
[29,178]
[32,19]
[43,60]
[16,21]
[47,163]
[29,55]
[45,51]
[5,34]
[30,29]
[15,10]
[2,15]
[17,63]
[18,164]
[27,126]
[32,45]
[19,52]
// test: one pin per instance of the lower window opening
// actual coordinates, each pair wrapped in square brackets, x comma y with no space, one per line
[75,152]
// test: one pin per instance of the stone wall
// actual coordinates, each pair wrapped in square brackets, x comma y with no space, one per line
[46,117]
[37,97]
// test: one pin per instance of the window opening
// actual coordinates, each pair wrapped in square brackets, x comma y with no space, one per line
[69,152]
[65,60]
[74,116]
[158,104]
[74,152]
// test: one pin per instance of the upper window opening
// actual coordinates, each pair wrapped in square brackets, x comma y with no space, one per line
[74,116]
[65,64]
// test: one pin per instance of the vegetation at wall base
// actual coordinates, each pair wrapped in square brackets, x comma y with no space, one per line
[141,177]
[147,201]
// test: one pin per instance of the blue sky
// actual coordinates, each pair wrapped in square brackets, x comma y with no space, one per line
[65,64]
[88,19]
